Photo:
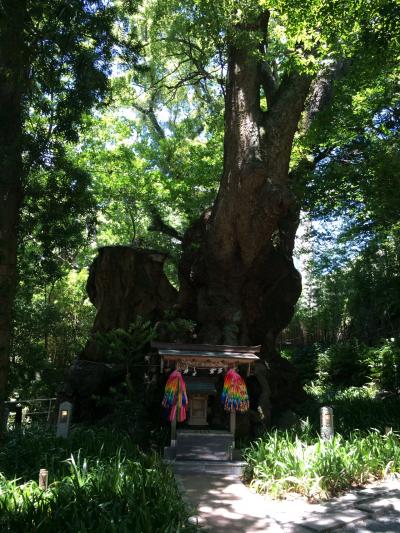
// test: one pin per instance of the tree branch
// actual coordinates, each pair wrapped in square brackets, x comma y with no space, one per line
[158,225]
[322,90]
[282,118]
[151,116]
[268,82]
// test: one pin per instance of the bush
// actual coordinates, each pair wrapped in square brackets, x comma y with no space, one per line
[347,364]
[280,462]
[99,481]
[384,364]
[304,359]
[343,364]
[354,408]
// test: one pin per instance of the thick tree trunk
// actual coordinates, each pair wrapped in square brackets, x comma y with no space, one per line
[11,172]
[124,283]
[237,274]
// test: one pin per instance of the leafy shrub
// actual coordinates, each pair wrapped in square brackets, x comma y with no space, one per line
[354,408]
[384,364]
[126,346]
[304,359]
[348,364]
[343,364]
[99,481]
[279,462]
[174,328]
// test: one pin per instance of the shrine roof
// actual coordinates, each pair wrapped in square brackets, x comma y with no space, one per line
[170,350]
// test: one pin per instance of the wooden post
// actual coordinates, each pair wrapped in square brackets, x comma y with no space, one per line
[232,423]
[173,431]
[43,478]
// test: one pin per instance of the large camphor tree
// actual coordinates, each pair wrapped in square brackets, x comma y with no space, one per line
[278,61]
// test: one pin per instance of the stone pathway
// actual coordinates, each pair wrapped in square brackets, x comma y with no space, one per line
[225,504]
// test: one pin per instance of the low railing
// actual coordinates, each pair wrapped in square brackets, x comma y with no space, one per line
[31,410]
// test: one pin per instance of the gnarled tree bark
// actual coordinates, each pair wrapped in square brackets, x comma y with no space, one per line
[126,283]
[237,276]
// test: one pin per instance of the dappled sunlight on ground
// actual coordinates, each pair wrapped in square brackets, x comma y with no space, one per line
[224,503]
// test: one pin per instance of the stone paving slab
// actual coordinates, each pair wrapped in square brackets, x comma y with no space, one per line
[329,521]
[389,523]
[224,503]
[381,505]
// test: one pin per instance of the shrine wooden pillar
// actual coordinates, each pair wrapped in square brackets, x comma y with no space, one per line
[173,432]
[232,422]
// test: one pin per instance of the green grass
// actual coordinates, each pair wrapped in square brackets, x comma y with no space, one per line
[99,481]
[282,462]
[299,461]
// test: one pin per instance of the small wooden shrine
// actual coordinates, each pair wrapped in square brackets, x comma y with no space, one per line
[199,370]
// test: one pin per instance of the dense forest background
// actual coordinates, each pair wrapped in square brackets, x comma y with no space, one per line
[168,168]
[134,153]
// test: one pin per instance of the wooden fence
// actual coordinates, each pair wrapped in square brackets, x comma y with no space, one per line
[29,411]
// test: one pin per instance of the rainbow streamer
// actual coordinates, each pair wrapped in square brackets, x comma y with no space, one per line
[175,398]
[234,394]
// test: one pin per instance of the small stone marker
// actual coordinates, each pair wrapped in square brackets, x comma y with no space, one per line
[43,478]
[326,422]
[64,419]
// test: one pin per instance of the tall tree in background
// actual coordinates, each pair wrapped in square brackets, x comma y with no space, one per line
[354,259]
[54,59]
[13,74]
[237,277]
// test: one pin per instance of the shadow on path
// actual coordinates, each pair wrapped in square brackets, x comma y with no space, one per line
[225,504]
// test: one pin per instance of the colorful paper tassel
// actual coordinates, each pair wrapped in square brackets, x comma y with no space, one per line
[175,398]
[234,394]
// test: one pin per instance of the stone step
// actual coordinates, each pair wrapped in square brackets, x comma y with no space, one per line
[206,446]
[206,453]
[228,468]
[204,436]
[204,439]
[187,432]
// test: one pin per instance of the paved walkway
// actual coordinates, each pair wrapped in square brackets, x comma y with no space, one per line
[224,504]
